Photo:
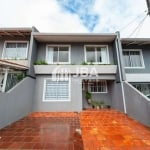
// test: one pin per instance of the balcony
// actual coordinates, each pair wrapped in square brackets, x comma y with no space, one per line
[75,69]
[22,62]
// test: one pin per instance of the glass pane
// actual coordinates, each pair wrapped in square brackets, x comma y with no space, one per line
[104,55]
[90,54]
[99,57]
[16,51]
[21,53]
[57,90]
[51,90]
[10,53]
[135,59]
[55,55]
[22,45]
[11,45]
[126,58]
[49,55]
[63,54]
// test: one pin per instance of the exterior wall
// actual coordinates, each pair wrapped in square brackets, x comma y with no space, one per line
[77,51]
[32,55]
[76,95]
[138,106]
[17,102]
[116,95]
[74,105]
[146,54]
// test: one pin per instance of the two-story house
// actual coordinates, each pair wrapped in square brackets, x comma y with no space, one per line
[73,64]
[54,72]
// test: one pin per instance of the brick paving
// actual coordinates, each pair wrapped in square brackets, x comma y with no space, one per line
[112,130]
[101,130]
[52,131]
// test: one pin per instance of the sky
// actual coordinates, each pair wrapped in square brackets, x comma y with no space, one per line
[77,16]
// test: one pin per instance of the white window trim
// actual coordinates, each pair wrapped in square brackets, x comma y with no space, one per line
[59,45]
[44,90]
[27,49]
[142,59]
[107,51]
[101,92]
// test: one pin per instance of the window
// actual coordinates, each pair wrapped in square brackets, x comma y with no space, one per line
[15,50]
[56,90]
[96,54]
[143,88]
[97,86]
[133,58]
[57,54]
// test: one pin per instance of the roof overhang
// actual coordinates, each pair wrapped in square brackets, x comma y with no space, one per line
[15,32]
[74,37]
[138,41]
[10,65]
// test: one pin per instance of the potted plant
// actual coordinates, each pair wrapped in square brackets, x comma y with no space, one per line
[95,104]
[88,97]
[102,104]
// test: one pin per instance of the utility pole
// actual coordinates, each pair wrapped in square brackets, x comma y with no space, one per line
[148,6]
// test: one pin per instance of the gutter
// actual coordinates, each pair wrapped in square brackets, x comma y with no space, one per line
[120,73]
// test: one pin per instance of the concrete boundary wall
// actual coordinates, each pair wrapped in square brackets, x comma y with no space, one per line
[17,102]
[137,104]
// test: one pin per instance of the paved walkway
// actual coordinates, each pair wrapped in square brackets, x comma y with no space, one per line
[112,130]
[101,130]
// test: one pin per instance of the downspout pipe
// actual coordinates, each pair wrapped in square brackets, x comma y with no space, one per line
[118,47]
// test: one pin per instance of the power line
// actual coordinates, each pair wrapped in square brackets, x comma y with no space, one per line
[133,20]
[140,23]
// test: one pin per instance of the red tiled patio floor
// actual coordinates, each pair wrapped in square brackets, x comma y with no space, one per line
[52,131]
[112,130]
[101,130]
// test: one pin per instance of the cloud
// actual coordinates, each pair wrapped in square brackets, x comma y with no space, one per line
[76,15]
[47,16]
[84,10]
[119,13]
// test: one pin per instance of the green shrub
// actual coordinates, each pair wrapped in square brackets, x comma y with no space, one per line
[84,63]
[40,62]
[88,95]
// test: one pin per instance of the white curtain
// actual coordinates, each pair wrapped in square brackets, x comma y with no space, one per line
[135,59]
[49,55]
[126,58]
[104,55]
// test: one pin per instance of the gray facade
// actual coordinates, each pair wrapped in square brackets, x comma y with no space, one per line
[17,102]
[77,51]
[146,53]
[75,103]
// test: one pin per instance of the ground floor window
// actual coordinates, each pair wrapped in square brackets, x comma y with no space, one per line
[56,90]
[144,88]
[95,86]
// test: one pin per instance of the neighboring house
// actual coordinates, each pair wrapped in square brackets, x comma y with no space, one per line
[136,53]
[52,72]
[14,56]
[136,69]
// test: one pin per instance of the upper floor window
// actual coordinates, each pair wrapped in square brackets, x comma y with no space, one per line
[15,50]
[133,58]
[57,54]
[96,54]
